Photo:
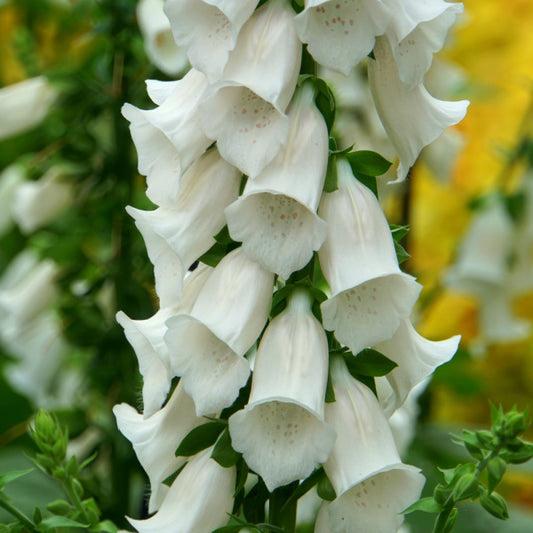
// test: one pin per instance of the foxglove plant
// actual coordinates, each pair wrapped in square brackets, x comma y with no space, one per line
[315,283]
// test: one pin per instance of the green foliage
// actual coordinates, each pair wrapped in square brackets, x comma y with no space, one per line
[200,438]
[492,451]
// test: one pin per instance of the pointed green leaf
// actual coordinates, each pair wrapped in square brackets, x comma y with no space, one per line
[200,438]
[369,362]
[368,163]
[426,505]
[223,453]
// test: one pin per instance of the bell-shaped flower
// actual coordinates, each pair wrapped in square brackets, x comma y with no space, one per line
[482,260]
[156,438]
[199,500]
[25,294]
[208,30]
[244,112]
[24,105]
[340,34]
[147,339]
[416,357]
[412,118]
[370,295]
[206,346]
[177,235]
[36,203]
[158,40]
[10,179]
[168,138]
[418,30]
[281,432]
[276,218]
[372,485]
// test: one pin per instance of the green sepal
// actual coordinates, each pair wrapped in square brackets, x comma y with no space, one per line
[426,505]
[60,521]
[324,99]
[368,163]
[325,489]
[106,526]
[495,469]
[467,486]
[170,479]
[369,362]
[200,438]
[59,507]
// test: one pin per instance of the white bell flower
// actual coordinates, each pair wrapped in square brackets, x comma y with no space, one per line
[418,30]
[482,259]
[208,30]
[276,218]
[10,178]
[168,138]
[372,484]
[24,105]
[156,438]
[341,33]
[206,346]
[412,118]
[158,40]
[281,432]
[370,295]
[36,203]
[177,235]
[147,339]
[416,357]
[244,112]
[199,500]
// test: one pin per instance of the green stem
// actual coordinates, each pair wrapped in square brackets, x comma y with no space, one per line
[71,493]
[19,515]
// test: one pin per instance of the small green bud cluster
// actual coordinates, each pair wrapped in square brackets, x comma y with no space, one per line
[493,450]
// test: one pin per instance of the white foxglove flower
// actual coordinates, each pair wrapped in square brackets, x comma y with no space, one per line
[24,105]
[158,40]
[10,178]
[372,485]
[178,234]
[36,203]
[146,338]
[156,438]
[199,500]
[206,346]
[340,34]
[418,30]
[169,138]
[276,218]
[370,295]
[412,118]
[483,255]
[416,357]
[208,30]
[281,432]
[244,113]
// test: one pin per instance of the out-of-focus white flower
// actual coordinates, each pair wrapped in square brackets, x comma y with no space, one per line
[412,117]
[370,295]
[244,112]
[276,216]
[441,154]
[146,338]
[199,500]
[24,105]
[208,30]
[158,40]
[156,438]
[339,34]
[168,138]
[206,346]
[179,233]
[416,357]
[372,485]
[36,203]
[418,30]
[281,432]
[10,179]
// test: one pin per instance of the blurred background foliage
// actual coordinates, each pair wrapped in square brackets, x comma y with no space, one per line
[94,55]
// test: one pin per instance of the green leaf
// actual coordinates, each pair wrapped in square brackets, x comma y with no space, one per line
[369,362]
[37,515]
[170,479]
[521,455]
[399,232]
[368,163]
[254,502]
[368,181]
[330,391]
[242,476]
[441,493]
[331,181]
[200,438]
[88,461]
[11,476]
[223,453]
[223,236]
[325,489]
[61,521]
[401,253]
[496,469]
[106,526]
[426,505]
